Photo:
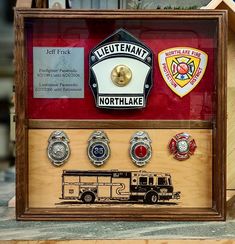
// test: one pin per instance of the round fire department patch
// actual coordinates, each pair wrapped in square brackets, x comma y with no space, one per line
[182,68]
[182,146]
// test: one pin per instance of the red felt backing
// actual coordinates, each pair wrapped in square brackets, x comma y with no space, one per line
[162,104]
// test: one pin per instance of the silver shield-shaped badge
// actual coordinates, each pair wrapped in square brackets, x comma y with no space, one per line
[58,150]
[140,149]
[98,148]
[121,72]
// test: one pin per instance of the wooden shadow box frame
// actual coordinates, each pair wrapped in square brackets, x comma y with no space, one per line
[217,210]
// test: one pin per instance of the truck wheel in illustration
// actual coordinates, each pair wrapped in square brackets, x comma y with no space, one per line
[88,197]
[151,197]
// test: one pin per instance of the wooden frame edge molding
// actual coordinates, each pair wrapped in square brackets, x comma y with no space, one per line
[124,124]
[21,130]
[220,141]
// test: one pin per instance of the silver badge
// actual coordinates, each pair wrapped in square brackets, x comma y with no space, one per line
[140,150]
[98,149]
[58,150]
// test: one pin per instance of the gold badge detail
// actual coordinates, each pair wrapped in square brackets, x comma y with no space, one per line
[121,75]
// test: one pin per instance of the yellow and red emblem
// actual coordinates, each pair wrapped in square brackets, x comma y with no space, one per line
[182,68]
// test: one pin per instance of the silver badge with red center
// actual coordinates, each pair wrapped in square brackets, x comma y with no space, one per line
[182,146]
[140,150]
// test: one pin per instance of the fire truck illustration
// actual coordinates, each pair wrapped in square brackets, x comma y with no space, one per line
[94,186]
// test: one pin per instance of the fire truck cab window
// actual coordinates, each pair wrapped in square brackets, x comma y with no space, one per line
[115,175]
[143,180]
[150,180]
[162,181]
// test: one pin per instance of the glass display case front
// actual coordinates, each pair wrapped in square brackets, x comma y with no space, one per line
[123,115]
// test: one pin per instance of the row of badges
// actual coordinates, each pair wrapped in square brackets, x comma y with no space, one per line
[121,70]
[182,146]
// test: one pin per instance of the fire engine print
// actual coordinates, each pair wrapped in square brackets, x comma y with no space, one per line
[112,186]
